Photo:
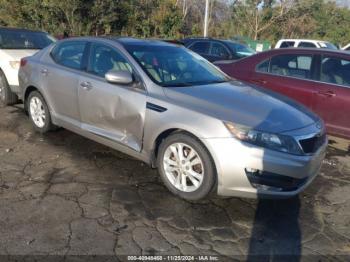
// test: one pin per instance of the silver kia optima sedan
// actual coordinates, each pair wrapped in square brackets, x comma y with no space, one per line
[170,108]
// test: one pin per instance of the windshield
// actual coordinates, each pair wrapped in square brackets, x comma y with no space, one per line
[240,50]
[24,40]
[328,45]
[172,66]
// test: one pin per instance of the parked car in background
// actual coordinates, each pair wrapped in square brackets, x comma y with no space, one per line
[217,49]
[14,45]
[317,78]
[346,48]
[173,109]
[304,43]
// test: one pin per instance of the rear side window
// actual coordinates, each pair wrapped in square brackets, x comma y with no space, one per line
[307,44]
[298,66]
[335,71]
[287,44]
[200,47]
[69,54]
[263,66]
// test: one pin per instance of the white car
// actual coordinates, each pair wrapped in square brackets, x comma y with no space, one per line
[306,43]
[346,48]
[14,45]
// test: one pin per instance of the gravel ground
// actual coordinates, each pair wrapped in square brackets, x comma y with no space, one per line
[64,195]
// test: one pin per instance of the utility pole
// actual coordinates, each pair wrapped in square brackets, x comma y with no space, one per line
[206,17]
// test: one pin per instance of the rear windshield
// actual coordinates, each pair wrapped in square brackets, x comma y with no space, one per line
[24,40]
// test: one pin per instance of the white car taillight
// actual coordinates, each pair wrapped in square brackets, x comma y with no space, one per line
[23,62]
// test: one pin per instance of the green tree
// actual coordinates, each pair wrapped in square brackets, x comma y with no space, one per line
[254,17]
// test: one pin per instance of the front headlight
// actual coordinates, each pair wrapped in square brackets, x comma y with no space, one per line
[276,142]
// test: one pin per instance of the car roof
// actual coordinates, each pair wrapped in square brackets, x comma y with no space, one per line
[294,50]
[124,40]
[192,39]
[141,41]
[304,40]
[13,29]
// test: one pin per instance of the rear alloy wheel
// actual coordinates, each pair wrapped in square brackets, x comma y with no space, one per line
[39,112]
[186,167]
[7,97]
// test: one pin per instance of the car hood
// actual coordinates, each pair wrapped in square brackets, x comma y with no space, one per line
[18,54]
[243,104]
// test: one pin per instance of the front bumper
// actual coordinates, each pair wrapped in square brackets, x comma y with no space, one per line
[233,158]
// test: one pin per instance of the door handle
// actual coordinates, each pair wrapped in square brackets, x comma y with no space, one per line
[86,85]
[44,71]
[328,93]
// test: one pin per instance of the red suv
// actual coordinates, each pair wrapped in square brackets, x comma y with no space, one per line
[318,78]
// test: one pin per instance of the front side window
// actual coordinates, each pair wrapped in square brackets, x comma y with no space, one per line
[200,47]
[307,45]
[172,66]
[335,71]
[298,66]
[69,54]
[24,40]
[219,50]
[104,58]
[263,66]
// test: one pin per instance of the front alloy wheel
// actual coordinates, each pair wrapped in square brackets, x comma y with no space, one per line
[183,167]
[186,166]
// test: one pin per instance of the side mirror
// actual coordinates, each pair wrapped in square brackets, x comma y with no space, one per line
[119,77]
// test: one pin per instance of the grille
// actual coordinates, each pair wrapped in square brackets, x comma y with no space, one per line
[311,145]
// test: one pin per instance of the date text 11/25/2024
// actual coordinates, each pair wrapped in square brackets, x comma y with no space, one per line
[173,258]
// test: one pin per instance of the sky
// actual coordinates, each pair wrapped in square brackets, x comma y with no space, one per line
[344,2]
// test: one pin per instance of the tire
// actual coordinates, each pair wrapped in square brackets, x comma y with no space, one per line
[39,116]
[7,97]
[197,167]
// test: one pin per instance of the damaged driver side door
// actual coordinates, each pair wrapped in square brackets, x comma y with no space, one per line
[112,111]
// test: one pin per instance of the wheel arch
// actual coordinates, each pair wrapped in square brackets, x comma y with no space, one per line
[26,93]
[160,137]
[166,133]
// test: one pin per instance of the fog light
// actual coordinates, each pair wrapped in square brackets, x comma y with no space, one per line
[267,188]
